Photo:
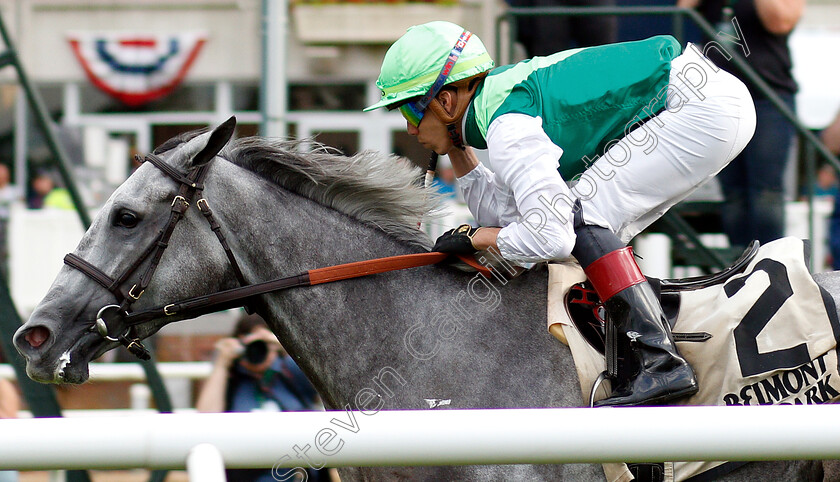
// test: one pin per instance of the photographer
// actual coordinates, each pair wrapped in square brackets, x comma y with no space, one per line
[252,372]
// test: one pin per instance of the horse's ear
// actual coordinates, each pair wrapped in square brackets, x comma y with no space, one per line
[217,140]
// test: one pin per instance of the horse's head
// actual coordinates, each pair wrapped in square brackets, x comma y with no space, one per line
[131,248]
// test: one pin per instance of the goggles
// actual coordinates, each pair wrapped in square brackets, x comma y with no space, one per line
[413,110]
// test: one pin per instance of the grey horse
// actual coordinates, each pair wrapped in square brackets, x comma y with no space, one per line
[392,340]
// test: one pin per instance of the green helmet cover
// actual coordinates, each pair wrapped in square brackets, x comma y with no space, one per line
[414,61]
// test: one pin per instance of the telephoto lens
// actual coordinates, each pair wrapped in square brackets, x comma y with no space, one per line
[256,352]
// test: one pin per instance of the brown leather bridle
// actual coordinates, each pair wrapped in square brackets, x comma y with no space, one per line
[116,322]
[190,187]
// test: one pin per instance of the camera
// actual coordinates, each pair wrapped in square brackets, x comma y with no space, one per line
[255,352]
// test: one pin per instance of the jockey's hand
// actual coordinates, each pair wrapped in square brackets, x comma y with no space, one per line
[457,241]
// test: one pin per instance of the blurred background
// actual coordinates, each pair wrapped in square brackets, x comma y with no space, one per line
[118,77]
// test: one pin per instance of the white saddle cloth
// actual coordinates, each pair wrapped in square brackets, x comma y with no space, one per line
[773,341]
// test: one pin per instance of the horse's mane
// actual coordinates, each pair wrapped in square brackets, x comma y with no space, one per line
[376,189]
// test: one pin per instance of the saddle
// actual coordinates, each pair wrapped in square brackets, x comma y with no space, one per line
[586,308]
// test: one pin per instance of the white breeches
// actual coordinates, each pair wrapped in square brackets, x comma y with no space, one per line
[709,118]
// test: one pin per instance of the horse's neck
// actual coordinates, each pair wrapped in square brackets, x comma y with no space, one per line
[289,235]
[292,234]
[404,336]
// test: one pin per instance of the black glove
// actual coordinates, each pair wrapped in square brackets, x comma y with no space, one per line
[457,241]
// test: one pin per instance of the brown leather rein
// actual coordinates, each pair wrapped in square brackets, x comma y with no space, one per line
[116,322]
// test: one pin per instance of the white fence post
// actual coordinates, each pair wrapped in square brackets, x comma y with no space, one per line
[654,249]
[205,464]
[140,394]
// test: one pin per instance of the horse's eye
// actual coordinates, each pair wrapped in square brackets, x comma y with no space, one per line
[127,220]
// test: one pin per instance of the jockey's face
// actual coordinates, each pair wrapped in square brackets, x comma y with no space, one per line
[432,133]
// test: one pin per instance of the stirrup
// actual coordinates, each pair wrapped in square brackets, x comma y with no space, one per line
[598,381]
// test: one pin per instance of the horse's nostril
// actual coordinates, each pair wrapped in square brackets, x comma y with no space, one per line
[37,336]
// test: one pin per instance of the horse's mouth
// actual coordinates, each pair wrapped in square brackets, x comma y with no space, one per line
[69,367]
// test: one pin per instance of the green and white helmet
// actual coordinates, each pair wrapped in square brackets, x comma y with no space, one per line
[414,61]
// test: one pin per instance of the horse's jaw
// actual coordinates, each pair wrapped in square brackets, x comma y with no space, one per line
[50,359]
[69,367]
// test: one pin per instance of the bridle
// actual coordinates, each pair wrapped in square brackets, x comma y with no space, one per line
[116,322]
[190,187]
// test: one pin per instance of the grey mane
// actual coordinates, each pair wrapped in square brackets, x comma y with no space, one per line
[375,189]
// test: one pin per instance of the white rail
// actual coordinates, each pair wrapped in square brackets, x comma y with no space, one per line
[432,437]
[134,372]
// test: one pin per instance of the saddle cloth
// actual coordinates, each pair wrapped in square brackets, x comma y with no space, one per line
[774,339]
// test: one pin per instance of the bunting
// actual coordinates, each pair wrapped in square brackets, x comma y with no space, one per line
[136,68]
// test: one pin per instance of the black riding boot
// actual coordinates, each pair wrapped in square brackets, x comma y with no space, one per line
[650,370]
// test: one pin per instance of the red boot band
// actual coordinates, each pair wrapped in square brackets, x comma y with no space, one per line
[614,272]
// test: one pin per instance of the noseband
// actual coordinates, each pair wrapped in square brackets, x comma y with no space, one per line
[108,320]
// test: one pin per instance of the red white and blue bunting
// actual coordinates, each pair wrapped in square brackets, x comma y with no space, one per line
[136,68]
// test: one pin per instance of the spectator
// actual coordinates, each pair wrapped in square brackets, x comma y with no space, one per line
[40,186]
[9,400]
[252,372]
[825,184]
[445,181]
[753,183]
[8,195]
[9,406]
[546,34]
[830,136]
[58,198]
[45,194]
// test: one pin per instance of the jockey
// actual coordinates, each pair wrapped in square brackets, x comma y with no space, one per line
[586,148]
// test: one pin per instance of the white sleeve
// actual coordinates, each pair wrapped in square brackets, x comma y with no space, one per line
[526,161]
[478,187]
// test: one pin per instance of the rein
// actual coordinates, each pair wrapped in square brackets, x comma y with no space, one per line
[222,300]
[116,322]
